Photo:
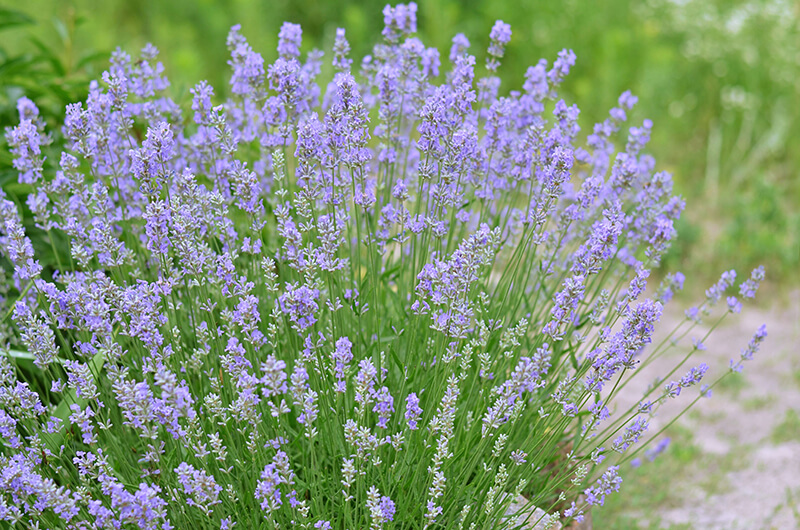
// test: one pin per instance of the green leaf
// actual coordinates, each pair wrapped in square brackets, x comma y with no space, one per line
[18,355]
[10,18]
[89,58]
[11,310]
[49,56]
[393,355]
[15,64]
[25,356]
[61,29]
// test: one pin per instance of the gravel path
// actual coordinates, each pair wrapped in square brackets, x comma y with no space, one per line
[760,487]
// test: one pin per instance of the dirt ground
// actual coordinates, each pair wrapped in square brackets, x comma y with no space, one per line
[760,486]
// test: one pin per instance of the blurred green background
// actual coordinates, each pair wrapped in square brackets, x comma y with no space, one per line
[720,80]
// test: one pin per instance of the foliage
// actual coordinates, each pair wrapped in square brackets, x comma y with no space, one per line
[717,77]
[52,74]
[400,299]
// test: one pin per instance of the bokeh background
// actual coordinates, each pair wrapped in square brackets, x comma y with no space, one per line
[720,80]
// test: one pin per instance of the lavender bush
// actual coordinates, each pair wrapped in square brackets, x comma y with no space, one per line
[406,301]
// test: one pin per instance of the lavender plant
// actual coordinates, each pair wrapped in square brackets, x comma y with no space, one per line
[403,301]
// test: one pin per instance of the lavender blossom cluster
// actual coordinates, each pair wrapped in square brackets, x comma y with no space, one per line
[403,299]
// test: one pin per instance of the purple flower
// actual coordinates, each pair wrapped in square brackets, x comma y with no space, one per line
[36,335]
[413,411]
[81,380]
[751,349]
[289,39]
[346,124]
[631,435]
[149,162]
[200,487]
[734,305]
[694,376]
[27,109]
[33,493]
[381,508]
[365,382]
[268,488]
[157,219]
[459,47]
[499,37]
[387,508]
[602,243]
[636,333]
[660,447]
[749,287]
[342,355]
[201,102]
[627,100]
[673,282]
[399,21]
[300,305]
[445,283]
[248,66]
[716,291]
[341,49]
[606,484]
[274,379]
[143,508]
[566,60]
[16,245]
[501,32]
[384,406]
[565,303]
[26,146]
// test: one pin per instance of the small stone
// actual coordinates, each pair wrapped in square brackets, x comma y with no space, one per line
[526,516]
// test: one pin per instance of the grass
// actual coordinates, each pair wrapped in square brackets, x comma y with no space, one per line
[792,502]
[645,491]
[788,430]
[796,376]
[733,384]
[759,402]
